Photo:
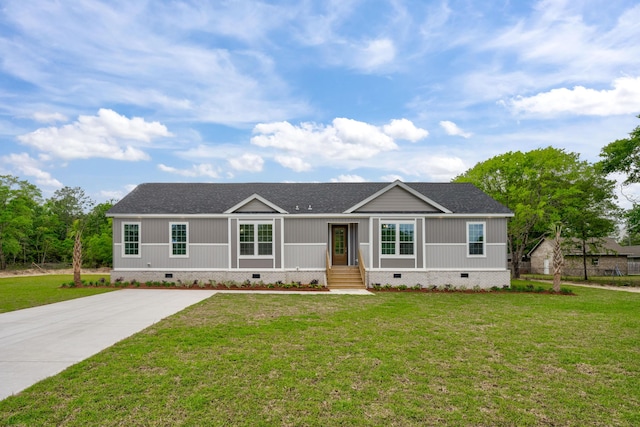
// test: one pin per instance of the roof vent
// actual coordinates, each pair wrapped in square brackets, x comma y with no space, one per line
[309,208]
[297,207]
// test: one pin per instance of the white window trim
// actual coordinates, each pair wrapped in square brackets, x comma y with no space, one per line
[171,254]
[139,254]
[255,239]
[484,240]
[397,242]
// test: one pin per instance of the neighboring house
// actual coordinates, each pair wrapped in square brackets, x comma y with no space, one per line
[604,257]
[387,233]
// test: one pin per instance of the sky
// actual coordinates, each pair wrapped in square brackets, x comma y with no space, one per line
[108,95]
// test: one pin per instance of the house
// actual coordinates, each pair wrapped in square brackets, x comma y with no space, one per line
[336,233]
[604,257]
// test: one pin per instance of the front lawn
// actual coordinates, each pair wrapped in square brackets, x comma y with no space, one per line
[29,291]
[393,359]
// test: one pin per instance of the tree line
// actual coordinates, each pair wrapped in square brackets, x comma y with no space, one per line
[34,230]
[555,194]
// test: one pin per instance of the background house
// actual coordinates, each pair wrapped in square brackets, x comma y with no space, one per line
[604,257]
[339,234]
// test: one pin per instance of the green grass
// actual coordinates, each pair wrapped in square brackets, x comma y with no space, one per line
[632,281]
[29,291]
[393,359]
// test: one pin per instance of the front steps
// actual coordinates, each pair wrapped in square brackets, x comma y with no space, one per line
[344,277]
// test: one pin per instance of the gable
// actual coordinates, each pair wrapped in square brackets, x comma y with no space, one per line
[397,199]
[255,204]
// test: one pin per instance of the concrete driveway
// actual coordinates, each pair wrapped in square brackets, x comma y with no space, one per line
[38,342]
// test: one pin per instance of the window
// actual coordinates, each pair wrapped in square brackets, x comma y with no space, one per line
[397,239]
[475,238]
[130,239]
[595,262]
[179,239]
[256,239]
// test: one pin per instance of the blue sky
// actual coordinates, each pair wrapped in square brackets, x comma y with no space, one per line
[107,95]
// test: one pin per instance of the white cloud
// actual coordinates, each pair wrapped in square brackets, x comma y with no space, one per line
[374,54]
[624,98]
[345,143]
[49,117]
[404,129]
[29,166]
[294,163]
[203,169]
[348,178]
[111,194]
[452,129]
[391,178]
[247,162]
[343,139]
[437,167]
[107,135]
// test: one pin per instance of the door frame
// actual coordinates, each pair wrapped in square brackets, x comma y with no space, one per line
[332,228]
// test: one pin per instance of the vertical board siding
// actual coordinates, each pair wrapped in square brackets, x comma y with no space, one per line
[397,263]
[316,230]
[454,230]
[255,263]
[455,256]
[255,206]
[157,256]
[208,230]
[419,244]
[304,256]
[397,200]
[277,243]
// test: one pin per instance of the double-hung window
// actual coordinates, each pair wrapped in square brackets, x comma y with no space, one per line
[131,239]
[179,239]
[475,239]
[397,238]
[256,239]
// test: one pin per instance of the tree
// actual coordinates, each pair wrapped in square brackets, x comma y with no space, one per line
[67,205]
[17,201]
[590,213]
[98,236]
[623,155]
[539,186]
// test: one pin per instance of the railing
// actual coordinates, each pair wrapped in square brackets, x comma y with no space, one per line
[361,266]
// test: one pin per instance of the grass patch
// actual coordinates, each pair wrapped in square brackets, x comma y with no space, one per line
[29,291]
[629,281]
[396,359]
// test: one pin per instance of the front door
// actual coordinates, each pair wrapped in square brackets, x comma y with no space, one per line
[339,252]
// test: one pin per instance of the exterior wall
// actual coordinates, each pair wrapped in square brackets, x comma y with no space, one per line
[454,230]
[573,264]
[440,256]
[606,265]
[300,246]
[543,252]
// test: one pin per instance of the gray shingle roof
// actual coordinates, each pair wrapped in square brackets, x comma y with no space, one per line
[325,198]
